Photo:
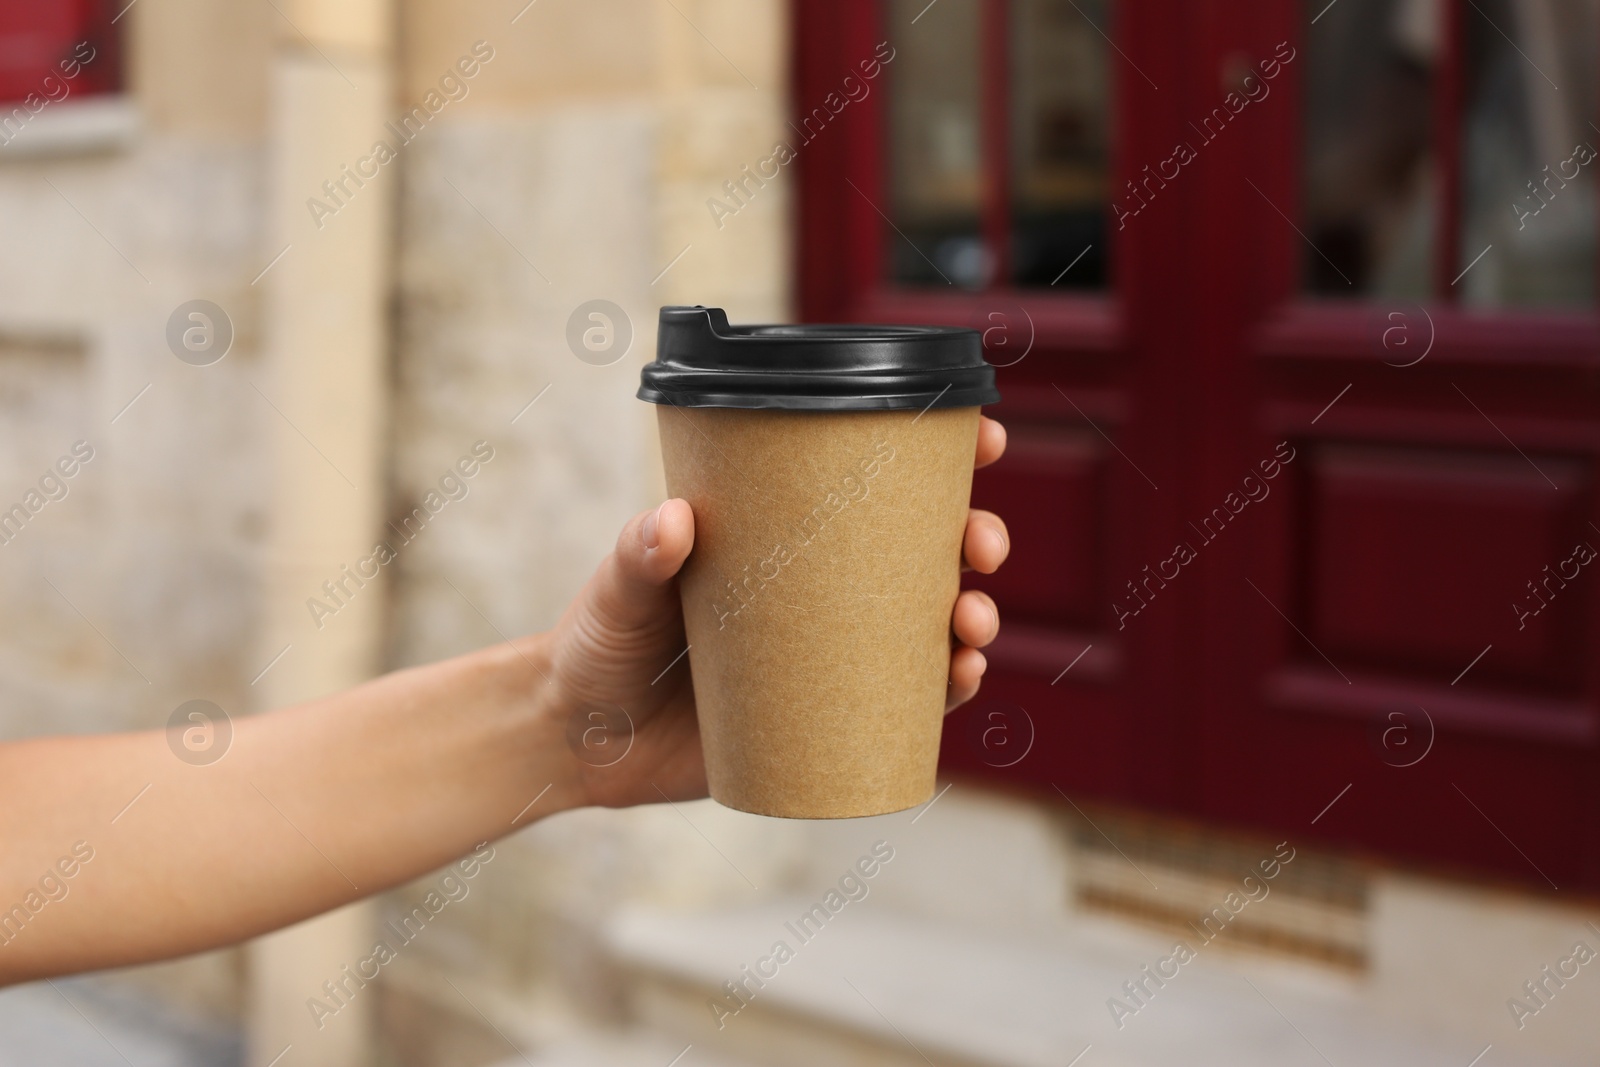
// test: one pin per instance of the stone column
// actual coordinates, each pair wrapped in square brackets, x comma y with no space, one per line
[723,94]
[325,309]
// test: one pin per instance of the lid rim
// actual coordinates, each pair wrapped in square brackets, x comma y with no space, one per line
[702,361]
[817,402]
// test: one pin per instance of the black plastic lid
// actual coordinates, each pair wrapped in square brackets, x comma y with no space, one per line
[702,362]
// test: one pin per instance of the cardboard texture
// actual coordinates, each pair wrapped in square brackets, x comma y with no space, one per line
[818,598]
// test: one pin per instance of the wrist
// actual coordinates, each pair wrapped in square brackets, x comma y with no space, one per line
[536,708]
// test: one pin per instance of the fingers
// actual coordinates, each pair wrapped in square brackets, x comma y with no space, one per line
[984,546]
[650,551]
[986,542]
[966,670]
[976,620]
[991,441]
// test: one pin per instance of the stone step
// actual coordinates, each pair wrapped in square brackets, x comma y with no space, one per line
[880,987]
[83,1023]
[627,1049]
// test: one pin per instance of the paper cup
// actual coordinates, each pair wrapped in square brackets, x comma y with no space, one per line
[817,599]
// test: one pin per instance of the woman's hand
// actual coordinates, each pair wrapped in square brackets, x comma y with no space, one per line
[619,643]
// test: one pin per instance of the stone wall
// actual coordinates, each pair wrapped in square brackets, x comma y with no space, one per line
[151,552]
[576,168]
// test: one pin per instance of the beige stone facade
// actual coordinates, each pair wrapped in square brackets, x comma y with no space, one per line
[392,335]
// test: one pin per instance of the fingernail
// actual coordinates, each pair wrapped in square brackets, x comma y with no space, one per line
[648,533]
[983,664]
[999,539]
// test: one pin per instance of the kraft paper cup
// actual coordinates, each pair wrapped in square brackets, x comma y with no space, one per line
[827,551]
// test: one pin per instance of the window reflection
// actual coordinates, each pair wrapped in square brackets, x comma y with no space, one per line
[935,148]
[1061,141]
[1529,152]
[1369,170]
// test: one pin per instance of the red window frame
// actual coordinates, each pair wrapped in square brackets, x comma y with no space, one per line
[37,37]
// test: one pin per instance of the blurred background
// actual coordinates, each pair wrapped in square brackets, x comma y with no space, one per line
[1295,310]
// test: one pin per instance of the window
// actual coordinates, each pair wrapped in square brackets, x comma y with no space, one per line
[52,50]
[1450,150]
[1528,151]
[999,136]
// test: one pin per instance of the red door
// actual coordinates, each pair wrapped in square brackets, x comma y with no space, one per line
[1301,376]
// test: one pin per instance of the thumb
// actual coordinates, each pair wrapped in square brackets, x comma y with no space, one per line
[634,581]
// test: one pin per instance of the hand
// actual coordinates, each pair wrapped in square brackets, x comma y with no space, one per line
[614,643]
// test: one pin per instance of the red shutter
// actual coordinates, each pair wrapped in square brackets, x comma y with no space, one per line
[47,39]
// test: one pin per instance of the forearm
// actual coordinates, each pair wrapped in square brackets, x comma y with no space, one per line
[310,808]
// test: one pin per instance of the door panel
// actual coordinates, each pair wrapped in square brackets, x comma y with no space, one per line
[925,208]
[1055,484]
[1391,585]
